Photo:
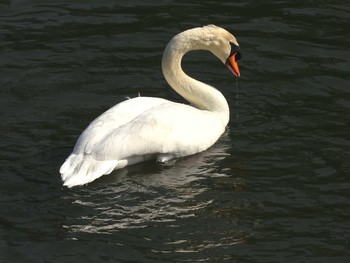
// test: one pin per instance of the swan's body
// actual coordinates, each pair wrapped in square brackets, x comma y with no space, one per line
[142,128]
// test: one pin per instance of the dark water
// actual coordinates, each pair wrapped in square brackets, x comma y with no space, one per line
[275,188]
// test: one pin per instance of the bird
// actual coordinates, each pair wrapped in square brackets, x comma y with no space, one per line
[145,128]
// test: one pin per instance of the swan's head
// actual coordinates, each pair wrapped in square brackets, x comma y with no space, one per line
[213,38]
[224,46]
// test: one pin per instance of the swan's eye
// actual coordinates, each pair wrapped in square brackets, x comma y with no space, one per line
[235,49]
[238,55]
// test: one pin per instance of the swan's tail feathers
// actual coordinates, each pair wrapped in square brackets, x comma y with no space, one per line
[80,169]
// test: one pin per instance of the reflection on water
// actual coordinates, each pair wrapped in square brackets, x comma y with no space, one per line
[127,199]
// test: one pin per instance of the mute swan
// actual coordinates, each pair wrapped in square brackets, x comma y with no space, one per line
[142,128]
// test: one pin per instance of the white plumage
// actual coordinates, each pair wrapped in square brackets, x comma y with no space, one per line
[144,127]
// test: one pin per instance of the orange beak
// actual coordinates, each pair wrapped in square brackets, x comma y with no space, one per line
[231,63]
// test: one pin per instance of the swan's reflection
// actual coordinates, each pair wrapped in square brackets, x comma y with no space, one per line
[147,193]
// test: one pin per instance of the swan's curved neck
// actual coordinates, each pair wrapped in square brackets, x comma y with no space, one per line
[199,94]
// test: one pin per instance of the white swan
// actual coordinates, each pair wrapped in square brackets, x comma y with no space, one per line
[144,127]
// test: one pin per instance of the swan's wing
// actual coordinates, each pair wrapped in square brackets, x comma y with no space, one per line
[112,119]
[165,129]
[82,166]
[169,129]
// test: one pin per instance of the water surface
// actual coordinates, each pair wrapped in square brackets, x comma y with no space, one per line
[275,188]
